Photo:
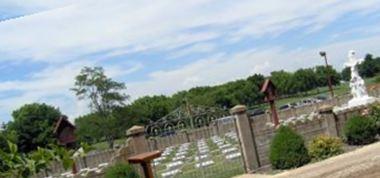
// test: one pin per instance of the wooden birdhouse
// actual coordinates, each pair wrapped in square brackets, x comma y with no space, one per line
[270,96]
[64,132]
[269,90]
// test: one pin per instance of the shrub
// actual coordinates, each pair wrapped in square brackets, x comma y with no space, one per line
[121,170]
[360,130]
[323,146]
[375,115]
[288,150]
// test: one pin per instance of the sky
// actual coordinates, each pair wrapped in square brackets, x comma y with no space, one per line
[161,47]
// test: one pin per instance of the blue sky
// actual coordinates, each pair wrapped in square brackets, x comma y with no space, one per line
[160,47]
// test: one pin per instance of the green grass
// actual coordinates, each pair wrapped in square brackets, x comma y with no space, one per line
[104,145]
[221,168]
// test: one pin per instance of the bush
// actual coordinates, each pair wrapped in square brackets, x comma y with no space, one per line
[375,115]
[121,170]
[322,147]
[360,130]
[288,150]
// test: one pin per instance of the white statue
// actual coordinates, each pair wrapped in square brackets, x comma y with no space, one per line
[357,85]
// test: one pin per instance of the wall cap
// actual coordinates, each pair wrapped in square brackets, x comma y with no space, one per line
[135,130]
[326,109]
[238,109]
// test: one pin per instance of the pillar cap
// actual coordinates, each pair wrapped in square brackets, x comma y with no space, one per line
[326,108]
[135,130]
[238,109]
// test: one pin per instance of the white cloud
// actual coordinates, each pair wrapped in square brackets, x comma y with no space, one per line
[23,6]
[68,30]
[85,27]
[193,49]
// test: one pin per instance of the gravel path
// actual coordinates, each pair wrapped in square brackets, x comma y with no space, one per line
[363,162]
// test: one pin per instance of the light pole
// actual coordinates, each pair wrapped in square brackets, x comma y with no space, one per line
[323,55]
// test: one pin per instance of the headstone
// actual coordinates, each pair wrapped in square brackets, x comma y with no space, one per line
[171,173]
[204,164]
[179,158]
[233,156]
[201,157]
[174,165]
[229,150]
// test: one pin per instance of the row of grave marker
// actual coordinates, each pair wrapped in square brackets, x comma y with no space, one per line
[202,157]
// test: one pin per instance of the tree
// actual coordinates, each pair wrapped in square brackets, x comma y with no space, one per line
[322,73]
[346,74]
[284,82]
[32,126]
[104,95]
[153,107]
[304,80]
[370,67]
[88,128]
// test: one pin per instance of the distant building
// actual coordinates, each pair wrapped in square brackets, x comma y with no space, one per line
[64,131]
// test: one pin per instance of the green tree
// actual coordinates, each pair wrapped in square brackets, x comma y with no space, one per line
[370,67]
[104,95]
[88,128]
[32,126]
[304,80]
[153,107]
[323,72]
[284,82]
[346,74]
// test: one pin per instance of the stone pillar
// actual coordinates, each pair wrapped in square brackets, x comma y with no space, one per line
[246,138]
[138,142]
[327,114]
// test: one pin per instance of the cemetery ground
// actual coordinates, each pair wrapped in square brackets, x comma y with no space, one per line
[213,157]
[362,162]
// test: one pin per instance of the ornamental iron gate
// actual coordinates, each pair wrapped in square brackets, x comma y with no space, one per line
[184,118]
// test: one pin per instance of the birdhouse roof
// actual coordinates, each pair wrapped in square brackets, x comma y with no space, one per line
[62,122]
[267,84]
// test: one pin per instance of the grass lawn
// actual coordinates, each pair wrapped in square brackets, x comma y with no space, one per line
[221,168]
[104,145]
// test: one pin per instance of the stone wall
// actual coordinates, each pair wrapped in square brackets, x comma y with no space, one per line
[328,124]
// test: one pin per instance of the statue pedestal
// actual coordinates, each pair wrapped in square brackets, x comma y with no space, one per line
[361,101]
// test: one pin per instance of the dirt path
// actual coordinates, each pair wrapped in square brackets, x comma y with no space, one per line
[364,162]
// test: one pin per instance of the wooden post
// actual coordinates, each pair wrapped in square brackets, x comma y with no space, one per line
[270,96]
[273,109]
[145,160]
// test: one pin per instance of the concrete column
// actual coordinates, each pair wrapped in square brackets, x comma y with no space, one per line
[246,137]
[139,144]
[327,114]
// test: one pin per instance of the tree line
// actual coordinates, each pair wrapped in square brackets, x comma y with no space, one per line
[111,117]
